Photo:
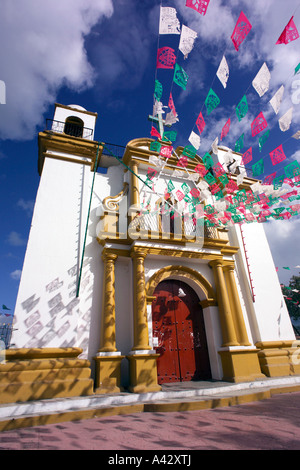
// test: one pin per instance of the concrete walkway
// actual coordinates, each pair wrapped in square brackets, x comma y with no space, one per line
[185,396]
[271,424]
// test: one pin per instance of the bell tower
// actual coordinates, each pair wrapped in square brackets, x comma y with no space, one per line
[50,320]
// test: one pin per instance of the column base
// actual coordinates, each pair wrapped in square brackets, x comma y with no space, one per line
[279,358]
[43,373]
[143,373]
[108,373]
[241,365]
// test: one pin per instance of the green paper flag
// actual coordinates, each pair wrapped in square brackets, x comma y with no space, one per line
[239,143]
[262,139]
[5,308]
[242,108]
[170,186]
[189,151]
[180,76]
[292,170]
[169,136]
[211,101]
[158,90]
[258,168]
[297,69]
[208,161]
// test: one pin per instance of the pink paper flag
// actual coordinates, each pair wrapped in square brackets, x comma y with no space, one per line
[179,195]
[201,169]
[218,169]
[242,28]
[171,105]
[258,124]
[225,129]
[277,155]
[183,161]
[269,179]
[199,5]
[247,157]
[290,33]
[200,123]
[166,151]
[165,58]
[155,133]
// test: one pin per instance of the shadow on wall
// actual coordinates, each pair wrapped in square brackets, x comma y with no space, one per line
[66,321]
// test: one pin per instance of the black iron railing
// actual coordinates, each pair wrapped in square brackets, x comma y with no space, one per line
[68,128]
[114,150]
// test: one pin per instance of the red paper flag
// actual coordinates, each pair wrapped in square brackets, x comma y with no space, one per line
[290,33]
[199,5]
[247,157]
[225,129]
[165,58]
[277,155]
[171,105]
[269,179]
[242,28]
[200,123]
[258,124]
[155,133]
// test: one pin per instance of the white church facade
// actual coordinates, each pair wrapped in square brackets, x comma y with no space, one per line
[116,297]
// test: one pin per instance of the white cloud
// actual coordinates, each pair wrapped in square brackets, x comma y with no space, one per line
[44,49]
[284,239]
[16,275]
[26,205]
[15,239]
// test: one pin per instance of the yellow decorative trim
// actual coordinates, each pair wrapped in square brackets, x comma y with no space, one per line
[36,374]
[111,203]
[171,271]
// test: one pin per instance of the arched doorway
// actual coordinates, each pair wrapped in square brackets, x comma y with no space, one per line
[179,333]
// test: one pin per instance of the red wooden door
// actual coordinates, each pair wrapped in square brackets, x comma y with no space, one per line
[179,334]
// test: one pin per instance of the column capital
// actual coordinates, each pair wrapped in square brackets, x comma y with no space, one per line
[229,267]
[216,262]
[108,255]
[137,252]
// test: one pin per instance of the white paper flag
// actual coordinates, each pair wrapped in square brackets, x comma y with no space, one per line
[262,80]
[168,23]
[158,108]
[194,139]
[171,119]
[214,146]
[223,72]
[297,135]
[187,40]
[285,120]
[275,102]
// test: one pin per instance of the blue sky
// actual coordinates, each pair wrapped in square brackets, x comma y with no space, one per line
[101,54]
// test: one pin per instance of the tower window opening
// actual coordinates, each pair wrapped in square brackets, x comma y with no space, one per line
[73,126]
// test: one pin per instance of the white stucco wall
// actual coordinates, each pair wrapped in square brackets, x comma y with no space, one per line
[267,315]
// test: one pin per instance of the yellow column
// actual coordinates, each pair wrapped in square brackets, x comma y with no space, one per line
[108,330]
[108,359]
[227,325]
[141,337]
[135,195]
[237,313]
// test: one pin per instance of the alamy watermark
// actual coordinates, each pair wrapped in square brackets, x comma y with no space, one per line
[2,352]
[2,92]
[296,93]
[296,353]
[166,222]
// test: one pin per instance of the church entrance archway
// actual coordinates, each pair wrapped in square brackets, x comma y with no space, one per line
[179,333]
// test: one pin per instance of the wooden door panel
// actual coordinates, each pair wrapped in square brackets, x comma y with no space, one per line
[179,326]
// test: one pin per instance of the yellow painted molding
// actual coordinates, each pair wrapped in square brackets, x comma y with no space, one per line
[184,272]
